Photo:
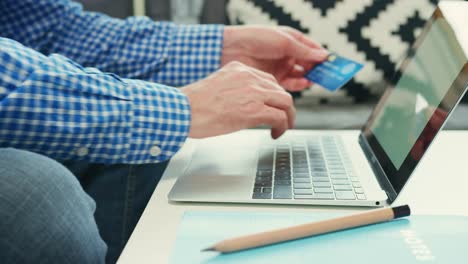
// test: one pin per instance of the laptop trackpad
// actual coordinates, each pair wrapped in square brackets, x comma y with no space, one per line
[221,175]
[224,162]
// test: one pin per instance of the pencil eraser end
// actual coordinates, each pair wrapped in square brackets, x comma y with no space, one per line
[401,211]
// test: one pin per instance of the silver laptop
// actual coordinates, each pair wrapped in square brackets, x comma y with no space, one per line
[332,168]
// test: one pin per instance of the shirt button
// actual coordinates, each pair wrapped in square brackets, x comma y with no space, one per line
[83,151]
[155,151]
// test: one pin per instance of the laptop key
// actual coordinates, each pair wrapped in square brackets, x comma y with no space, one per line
[266,190]
[282,192]
[261,196]
[282,167]
[320,179]
[282,173]
[359,190]
[344,195]
[301,175]
[299,160]
[265,166]
[318,166]
[283,182]
[303,170]
[361,196]
[300,166]
[263,179]
[262,184]
[338,176]
[340,182]
[323,190]
[283,178]
[264,173]
[301,180]
[257,190]
[337,169]
[356,184]
[299,151]
[321,174]
[282,162]
[343,187]
[304,196]
[324,196]
[316,159]
[336,166]
[302,191]
[322,184]
[318,170]
[302,186]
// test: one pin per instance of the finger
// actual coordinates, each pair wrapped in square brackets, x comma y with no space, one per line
[269,84]
[306,65]
[296,71]
[304,47]
[291,117]
[257,72]
[278,132]
[437,119]
[298,35]
[296,84]
[287,67]
[278,99]
[273,117]
[440,114]
[265,77]
[300,51]
[298,68]
[417,150]
[283,101]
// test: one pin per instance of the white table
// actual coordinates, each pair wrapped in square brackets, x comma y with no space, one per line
[438,186]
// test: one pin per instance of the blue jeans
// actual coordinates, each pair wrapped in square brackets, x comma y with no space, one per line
[74,212]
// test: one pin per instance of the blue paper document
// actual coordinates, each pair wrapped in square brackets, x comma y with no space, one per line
[418,239]
[334,72]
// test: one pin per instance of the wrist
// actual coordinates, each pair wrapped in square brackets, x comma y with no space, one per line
[231,44]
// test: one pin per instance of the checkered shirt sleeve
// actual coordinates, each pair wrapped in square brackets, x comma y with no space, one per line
[53,106]
[136,48]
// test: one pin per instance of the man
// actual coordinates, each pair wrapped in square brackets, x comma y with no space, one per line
[114,123]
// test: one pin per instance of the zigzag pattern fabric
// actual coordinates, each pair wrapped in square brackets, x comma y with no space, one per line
[376,33]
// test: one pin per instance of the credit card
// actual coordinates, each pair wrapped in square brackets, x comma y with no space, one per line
[334,72]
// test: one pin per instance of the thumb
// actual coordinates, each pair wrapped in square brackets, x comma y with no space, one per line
[300,51]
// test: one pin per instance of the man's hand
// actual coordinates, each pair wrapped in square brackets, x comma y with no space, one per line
[281,51]
[238,97]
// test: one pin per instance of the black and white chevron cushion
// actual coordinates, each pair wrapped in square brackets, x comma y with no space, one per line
[377,33]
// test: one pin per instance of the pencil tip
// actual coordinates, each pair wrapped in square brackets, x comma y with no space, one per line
[208,249]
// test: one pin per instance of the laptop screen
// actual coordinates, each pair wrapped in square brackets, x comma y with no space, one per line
[428,85]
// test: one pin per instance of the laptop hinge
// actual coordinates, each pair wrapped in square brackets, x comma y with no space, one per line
[377,169]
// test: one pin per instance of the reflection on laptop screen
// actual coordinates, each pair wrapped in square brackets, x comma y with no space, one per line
[420,89]
[428,85]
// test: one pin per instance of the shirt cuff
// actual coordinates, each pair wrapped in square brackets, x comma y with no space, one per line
[194,53]
[161,122]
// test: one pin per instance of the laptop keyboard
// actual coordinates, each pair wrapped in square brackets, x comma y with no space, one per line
[316,168]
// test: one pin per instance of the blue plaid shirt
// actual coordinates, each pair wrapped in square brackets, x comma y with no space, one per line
[81,85]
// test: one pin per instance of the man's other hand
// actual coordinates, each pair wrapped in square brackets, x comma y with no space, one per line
[238,97]
[284,52]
